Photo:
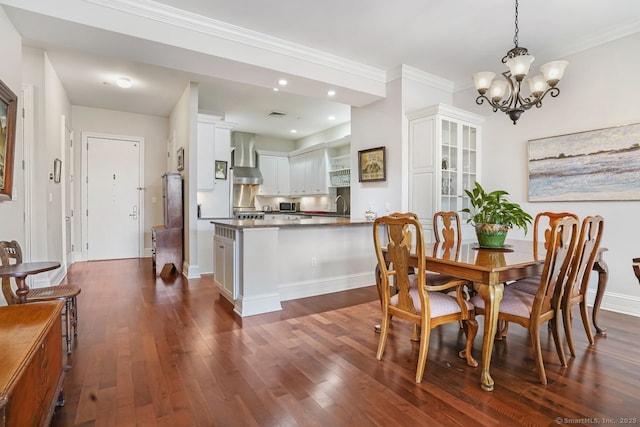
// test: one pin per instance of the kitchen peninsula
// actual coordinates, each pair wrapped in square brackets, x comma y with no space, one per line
[260,263]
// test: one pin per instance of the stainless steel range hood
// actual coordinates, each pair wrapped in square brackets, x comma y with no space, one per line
[245,170]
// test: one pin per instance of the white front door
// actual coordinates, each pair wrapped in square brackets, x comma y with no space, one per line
[113,207]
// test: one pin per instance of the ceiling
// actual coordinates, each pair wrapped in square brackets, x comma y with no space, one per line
[451,40]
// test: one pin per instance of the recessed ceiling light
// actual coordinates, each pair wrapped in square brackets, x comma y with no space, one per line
[282,82]
[293,131]
[331,93]
[275,89]
[331,117]
[124,82]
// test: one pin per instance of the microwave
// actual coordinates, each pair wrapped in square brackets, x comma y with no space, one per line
[289,207]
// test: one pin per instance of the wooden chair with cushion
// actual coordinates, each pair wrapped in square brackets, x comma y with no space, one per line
[415,299]
[446,228]
[531,311]
[541,232]
[576,288]
[11,253]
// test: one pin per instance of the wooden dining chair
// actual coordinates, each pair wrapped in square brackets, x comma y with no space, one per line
[447,229]
[541,233]
[415,300]
[575,291]
[11,253]
[531,311]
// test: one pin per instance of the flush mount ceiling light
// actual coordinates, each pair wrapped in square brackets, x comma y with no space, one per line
[518,60]
[124,82]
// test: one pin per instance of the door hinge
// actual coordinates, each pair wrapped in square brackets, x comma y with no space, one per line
[23,113]
[87,212]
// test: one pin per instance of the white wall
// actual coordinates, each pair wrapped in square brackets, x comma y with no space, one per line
[57,105]
[331,134]
[183,123]
[153,129]
[383,123]
[270,143]
[596,92]
[11,212]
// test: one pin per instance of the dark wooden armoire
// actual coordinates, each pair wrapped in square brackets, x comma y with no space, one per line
[167,246]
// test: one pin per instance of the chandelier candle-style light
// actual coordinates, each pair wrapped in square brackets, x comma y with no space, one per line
[513,102]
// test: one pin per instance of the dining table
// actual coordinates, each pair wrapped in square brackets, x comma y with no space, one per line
[21,271]
[489,270]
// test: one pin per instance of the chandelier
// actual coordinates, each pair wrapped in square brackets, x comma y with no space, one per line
[505,95]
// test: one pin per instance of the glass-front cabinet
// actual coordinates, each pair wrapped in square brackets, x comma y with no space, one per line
[459,165]
[444,160]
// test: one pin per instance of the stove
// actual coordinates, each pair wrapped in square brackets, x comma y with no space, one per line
[248,215]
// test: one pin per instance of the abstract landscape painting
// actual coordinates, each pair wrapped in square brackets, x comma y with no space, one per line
[601,164]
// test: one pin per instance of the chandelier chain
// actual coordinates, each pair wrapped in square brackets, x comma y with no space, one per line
[515,36]
[507,95]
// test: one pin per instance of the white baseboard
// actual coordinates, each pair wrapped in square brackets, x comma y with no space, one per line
[266,303]
[190,271]
[618,303]
[306,289]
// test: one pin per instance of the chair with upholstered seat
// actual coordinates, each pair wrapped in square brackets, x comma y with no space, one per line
[576,288]
[448,236]
[541,232]
[531,311]
[11,253]
[415,300]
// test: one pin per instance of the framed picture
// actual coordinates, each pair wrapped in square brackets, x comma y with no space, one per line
[8,109]
[372,165]
[594,165]
[221,169]
[180,158]
[57,170]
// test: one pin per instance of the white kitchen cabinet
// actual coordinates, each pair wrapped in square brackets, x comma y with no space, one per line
[444,160]
[309,173]
[213,143]
[224,258]
[275,175]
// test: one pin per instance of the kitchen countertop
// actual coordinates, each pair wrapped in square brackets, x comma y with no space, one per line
[302,222]
[306,214]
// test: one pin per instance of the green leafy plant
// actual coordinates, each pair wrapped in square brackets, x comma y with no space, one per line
[495,208]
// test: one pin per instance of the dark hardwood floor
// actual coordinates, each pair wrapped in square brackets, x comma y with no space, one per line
[172,353]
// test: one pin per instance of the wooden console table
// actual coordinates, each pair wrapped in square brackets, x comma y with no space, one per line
[31,370]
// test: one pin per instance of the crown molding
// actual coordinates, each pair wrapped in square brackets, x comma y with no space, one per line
[159,12]
[411,73]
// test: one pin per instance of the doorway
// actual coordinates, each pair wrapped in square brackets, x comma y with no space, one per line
[112,202]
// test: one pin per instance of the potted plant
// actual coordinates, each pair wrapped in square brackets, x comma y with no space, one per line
[493,215]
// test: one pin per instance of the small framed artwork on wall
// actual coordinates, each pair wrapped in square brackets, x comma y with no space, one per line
[372,165]
[8,109]
[180,159]
[221,169]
